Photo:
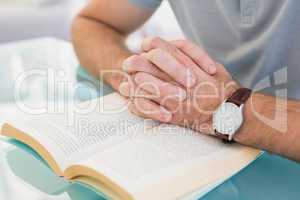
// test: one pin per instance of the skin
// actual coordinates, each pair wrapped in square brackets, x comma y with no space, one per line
[99,33]
[176,81]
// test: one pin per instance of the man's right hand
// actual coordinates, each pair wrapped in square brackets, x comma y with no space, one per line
[182,55]
[185,52]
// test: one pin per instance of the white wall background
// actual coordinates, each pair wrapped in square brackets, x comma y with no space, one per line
[24,19]
[163,23]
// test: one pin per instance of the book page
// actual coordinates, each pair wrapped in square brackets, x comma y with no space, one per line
[169,156]
[143,157]
[78,135]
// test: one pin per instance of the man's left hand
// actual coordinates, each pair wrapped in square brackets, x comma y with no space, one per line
[189,103]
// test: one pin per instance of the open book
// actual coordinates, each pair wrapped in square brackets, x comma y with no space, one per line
[126,157]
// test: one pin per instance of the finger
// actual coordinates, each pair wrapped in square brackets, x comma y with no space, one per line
[139,63]
[169,102]
[126,89]
[184,51]
[148,109]
[129,91]
[159,43]
[197,54]
[161,89]
[168,64]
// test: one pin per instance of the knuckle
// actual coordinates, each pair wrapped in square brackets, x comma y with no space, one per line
[154,53]
[150,43]
[160,57]
[140,77]
[139,104]
[134,60]
[150,55]
[183,43]
[146,40]
[158,51]
[155,41]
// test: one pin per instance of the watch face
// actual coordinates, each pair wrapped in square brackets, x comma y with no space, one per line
[227,119]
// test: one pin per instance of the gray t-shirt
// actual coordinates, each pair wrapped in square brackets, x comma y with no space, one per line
[257,40]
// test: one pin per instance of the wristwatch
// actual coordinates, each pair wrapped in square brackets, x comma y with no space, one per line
[228,118]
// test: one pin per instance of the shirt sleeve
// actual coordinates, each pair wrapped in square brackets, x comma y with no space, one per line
[150,4]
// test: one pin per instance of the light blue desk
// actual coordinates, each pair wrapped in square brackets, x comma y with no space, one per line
[269,178]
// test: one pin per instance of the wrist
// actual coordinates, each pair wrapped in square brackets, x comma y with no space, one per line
[115,75]
[245,134]
[231,89]
[229,117]
[115,79]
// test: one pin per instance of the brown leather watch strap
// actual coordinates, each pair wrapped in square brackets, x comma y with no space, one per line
[240,96]
[224,138]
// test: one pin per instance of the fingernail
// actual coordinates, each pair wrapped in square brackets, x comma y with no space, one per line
[166,115]
[146,44]
[212,68]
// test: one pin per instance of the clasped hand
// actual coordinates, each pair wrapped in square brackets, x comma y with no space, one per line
[176,82]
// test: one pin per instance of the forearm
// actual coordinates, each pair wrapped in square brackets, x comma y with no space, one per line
[100,49]
[271,124]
